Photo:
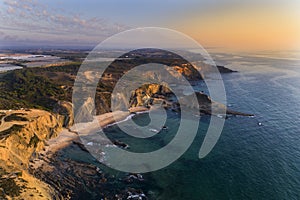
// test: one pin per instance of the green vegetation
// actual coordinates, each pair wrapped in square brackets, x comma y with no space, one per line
[43,87]
[73,55]
[14,129]
[34,141]
[34,87]
[15,117]
[8,186]
[70,68]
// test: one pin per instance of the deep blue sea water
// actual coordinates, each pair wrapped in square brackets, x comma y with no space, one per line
[250,161]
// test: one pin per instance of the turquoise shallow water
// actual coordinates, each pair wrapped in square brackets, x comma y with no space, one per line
[249,161]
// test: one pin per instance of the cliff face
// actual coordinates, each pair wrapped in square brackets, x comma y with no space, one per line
[26,132]
[150,94]
[23,133]
[186,70]
[145,95]
[65,109]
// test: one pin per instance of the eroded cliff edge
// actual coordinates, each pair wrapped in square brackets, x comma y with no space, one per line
[23,133]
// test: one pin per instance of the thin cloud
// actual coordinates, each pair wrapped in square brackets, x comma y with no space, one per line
[29,16]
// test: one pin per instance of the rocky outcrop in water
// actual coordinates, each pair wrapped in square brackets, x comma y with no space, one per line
[74,179]
[150,94]
[205,104]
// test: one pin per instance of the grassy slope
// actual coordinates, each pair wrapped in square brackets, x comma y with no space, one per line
[35,87]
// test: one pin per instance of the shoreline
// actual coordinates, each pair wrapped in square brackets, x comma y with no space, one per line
[68,136]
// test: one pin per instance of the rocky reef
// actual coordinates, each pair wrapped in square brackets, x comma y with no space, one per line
[29,171]
[71,178]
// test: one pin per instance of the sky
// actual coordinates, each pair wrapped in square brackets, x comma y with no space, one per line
[228,24]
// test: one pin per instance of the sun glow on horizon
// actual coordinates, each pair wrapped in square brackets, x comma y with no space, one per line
[253,28]
[227,24]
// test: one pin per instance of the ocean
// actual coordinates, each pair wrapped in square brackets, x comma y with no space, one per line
[256,157]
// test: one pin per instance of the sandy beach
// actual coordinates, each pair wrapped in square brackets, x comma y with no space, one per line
[68,136]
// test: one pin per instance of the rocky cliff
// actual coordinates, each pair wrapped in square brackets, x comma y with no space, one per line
[146,94]
[150,94]
[23,134]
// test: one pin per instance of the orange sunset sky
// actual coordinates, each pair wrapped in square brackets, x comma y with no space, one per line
[228,24]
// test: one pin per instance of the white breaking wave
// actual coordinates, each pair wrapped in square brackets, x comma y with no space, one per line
[124,120]
[127,118]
